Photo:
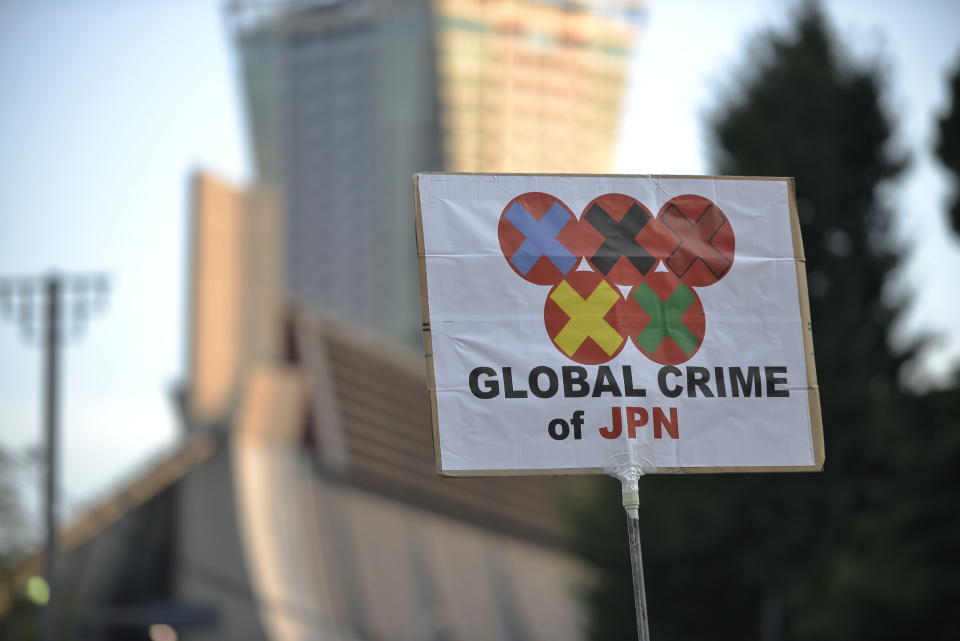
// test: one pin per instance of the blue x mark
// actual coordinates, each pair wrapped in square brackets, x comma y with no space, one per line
[541,238]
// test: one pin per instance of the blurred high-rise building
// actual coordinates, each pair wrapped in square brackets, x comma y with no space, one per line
[531,86]
[347,99]
[342,110]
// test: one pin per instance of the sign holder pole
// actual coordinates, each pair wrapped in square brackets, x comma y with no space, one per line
[626,467]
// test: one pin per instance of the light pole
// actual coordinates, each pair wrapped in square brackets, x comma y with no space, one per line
[49,311]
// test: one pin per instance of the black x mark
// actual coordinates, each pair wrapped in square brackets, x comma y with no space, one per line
[620,239]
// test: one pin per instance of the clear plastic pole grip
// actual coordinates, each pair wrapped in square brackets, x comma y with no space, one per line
[628,464]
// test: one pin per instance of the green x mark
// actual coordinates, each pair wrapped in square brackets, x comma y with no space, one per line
[665,318]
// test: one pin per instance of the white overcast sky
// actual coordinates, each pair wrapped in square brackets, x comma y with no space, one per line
[105,107]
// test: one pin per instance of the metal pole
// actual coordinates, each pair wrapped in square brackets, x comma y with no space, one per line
[52,289]
[636,563]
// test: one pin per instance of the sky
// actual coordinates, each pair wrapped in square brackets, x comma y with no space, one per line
[106,107]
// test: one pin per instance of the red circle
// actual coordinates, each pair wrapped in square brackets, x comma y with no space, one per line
[705,245]
[667,321]
[621,239]
[585,337]
[533,207]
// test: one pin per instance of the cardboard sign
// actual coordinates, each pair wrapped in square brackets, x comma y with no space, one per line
[564,314]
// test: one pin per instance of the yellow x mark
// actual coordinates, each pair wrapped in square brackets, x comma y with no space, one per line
[586,318]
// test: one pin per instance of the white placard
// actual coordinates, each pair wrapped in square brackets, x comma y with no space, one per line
[565,316]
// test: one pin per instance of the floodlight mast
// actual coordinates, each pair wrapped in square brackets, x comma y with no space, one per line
[64,304]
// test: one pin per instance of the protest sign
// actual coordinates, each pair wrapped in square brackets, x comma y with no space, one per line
[563,313]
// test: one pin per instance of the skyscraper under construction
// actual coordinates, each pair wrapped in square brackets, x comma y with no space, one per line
[531,86]
[347,99]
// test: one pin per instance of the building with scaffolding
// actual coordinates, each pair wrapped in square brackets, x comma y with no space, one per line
[532,86]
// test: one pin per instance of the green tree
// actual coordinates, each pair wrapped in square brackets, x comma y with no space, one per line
[948,147]
[868,548]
